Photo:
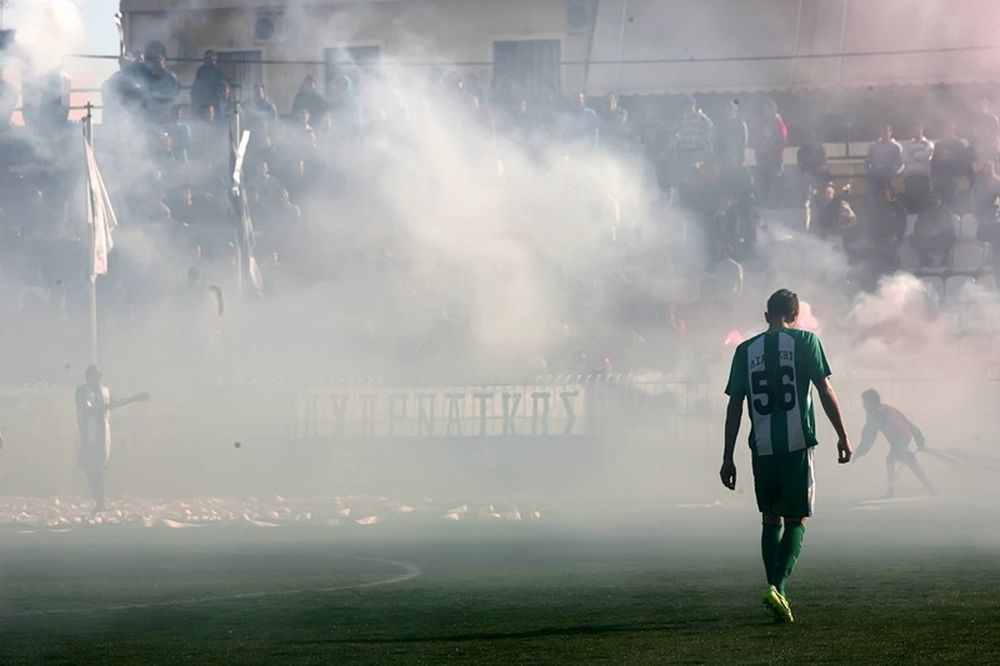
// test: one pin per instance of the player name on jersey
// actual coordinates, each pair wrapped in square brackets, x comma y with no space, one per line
[501,411]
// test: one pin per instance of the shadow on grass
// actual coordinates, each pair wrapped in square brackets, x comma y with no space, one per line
[545,632]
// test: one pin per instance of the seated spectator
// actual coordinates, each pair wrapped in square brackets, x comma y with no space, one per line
[207,87]
[934,233]
[179,132]
[829,213]
[952,160]
[731,136]
[884,163]
[261,111]
[917,154]
[266,185]
[309,99]
[769,150]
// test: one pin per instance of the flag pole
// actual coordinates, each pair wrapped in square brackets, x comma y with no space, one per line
[236,229]
[88,134]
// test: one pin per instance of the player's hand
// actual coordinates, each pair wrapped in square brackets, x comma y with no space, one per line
[728,474]
[844,451]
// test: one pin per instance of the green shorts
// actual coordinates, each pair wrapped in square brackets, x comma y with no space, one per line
[785,484]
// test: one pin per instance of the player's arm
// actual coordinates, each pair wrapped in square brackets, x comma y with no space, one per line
[868,435]
[831,407]
[918,435]
[734,415]
[138,397]
[737,389]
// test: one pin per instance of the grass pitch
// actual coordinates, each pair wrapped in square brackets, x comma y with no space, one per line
[527,593]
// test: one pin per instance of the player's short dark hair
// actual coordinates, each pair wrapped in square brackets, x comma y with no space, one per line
[872,394]
[784,305]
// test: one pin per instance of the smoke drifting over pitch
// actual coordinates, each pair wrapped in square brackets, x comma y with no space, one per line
[443,255]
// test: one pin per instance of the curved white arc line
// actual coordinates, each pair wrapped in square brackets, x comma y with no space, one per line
[410,571]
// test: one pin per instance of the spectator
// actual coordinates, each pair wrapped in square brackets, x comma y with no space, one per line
[344,106]
[207,87]
[811,159]
[769,149]
[985,133]
[917,154]
[309,99]
[731,136]
[160,85]
[262,106]
[884,163]
[985,191]
[8,101]
[615,128]
[952,160]
[584,123]
[692,140]
[875,242]
[179,132]
[829,213]
[934,233]
[122,92]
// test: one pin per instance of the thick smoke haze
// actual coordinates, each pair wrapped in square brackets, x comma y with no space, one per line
[443,253]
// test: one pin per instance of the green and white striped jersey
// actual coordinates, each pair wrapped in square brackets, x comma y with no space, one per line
[775,372]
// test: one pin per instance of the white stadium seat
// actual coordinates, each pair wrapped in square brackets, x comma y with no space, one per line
[957,288]
[909,260]
[934,287]
[968,226]
[968,256]
[987,283]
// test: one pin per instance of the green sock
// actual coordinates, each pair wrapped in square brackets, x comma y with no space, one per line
[770,537]
[788,553]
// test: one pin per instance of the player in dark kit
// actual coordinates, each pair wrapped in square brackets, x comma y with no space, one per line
[775,372]
[899,431]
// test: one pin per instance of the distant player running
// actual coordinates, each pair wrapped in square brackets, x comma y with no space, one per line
[774,372]
[899,431]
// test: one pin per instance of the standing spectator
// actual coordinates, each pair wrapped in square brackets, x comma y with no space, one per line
[8,101]
[769,149]
[985,133]
[208,80]
[309,99]
[885,161]
[731,136]
[952,160]
[692,141]
[160,85]
[584,123]
[934,233]
[615,128]
[985,191]
[917,154]
[811,160]
[345,107]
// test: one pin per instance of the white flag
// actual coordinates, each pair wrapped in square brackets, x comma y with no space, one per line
[100,215]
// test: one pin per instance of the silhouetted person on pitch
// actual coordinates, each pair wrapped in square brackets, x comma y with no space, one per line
[899,431]
[93,414]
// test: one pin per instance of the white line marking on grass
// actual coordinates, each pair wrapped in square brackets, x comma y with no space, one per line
[410,571]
